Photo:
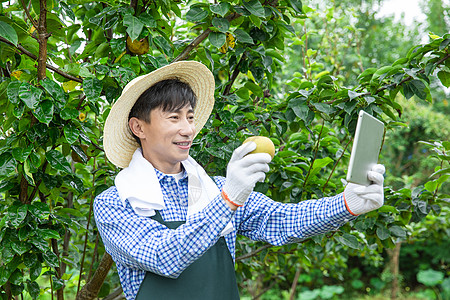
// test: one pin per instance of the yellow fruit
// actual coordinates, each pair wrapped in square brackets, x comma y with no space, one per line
[138,47]
[263,145]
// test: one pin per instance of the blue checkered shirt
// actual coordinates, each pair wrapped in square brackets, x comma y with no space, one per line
[139,244]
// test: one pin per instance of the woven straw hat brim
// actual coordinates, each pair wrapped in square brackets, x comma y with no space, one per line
[118,141]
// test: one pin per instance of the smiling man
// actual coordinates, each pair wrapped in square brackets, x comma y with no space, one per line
[170,228]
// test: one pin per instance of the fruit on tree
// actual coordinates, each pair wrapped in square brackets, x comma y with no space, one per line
[139,47]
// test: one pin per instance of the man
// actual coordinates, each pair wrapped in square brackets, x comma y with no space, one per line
[168,226]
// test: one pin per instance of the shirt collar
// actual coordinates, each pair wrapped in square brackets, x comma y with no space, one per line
[160,175]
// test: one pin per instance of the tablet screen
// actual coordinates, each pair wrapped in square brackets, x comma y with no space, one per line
[366,148]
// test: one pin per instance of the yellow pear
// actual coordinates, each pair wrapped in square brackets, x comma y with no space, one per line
[138,47]
[263,145]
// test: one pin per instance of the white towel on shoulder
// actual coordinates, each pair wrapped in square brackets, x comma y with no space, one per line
[139,184]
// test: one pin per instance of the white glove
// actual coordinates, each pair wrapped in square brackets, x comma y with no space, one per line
[243,171]
[361,199]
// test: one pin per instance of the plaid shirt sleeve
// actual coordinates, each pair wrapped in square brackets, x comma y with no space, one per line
[141,243]
[262,219]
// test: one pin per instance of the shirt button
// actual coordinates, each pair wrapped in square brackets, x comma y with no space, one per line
[223,219]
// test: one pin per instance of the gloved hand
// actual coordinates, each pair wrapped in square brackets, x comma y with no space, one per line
[243,171]
[361,199]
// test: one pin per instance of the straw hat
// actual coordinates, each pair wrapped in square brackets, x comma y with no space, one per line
[118,141]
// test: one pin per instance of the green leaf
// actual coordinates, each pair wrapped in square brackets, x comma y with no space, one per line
[323,107]
[444,77]
[163,45]
[92,88]
[7,164]
[8,33]
[256,89]
[30,95]
[440,172]
[4,275]
[21,247]
[418,87]
[50,258]
[255,7]
[47,234]
[243,93]
[30,259]
[12,91]
[24,233]
[33,289]
[196,14]
[300,107]
[352,94]
[69,113]
[57,283]
[39,210]
[148,20]
[221,8]
[217,39]
[407,90]
[20,154]
[58,161]
[367,73]
[71,133]
[221,24]
[243,36]
[398,231]
[255,20]
[35,271]
[17,214]
[430,277]
[348,240]
[388,208]
[444,44]
[39,243]
[54,89]
[5,185]
[134,26]
[44,111]
[16,277]
[297,6]
[383,233]
[319,164]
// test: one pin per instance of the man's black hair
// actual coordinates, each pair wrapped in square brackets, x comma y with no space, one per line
[169,94]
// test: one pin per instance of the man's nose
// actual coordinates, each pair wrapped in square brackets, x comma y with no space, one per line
[187,128]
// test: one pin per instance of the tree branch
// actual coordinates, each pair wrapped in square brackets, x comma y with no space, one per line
[314,159]
[235,74]
[253,253]
[32,56]
[183,55]
[90,290]
[27,12]
[42,40]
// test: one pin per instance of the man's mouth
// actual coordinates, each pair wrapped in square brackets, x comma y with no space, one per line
[183,144]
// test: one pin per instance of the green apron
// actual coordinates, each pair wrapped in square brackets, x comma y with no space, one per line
[212,276]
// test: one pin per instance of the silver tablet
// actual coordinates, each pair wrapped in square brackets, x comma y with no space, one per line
[366,148]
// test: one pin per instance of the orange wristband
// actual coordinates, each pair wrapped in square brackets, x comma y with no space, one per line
[345,201]
[225,196]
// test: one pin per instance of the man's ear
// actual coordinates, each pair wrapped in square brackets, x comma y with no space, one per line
[136,127]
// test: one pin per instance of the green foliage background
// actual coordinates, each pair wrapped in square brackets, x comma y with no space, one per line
[296,72]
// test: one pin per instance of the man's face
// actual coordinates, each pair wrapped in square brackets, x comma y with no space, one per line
[166,140]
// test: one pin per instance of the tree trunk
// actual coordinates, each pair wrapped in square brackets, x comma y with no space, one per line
[42,39]
[393,267]
[90,290]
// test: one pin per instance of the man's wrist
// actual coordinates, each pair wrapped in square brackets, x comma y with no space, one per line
[227,200]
